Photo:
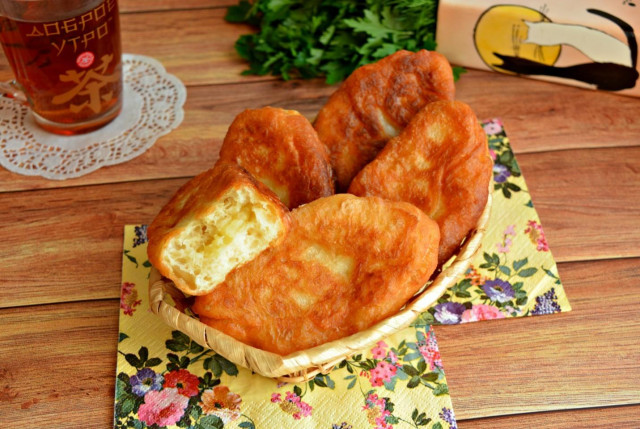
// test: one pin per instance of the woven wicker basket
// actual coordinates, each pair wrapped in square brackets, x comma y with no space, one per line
[306,364]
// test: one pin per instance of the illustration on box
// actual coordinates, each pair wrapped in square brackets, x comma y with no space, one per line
[577,44]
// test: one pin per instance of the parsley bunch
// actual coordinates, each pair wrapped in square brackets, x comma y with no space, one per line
[330,38]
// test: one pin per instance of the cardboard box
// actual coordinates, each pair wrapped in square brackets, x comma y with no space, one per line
[590,43]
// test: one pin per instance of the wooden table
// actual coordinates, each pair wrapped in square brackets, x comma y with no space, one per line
[580,154]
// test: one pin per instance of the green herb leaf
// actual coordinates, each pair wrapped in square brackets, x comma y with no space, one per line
[239,13]
[297,38]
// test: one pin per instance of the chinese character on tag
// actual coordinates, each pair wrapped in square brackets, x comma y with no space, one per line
[89,83]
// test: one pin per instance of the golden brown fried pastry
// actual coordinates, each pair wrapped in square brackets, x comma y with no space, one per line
[281,149]
[441,164]
[375,103]
[217,221]
[346,264]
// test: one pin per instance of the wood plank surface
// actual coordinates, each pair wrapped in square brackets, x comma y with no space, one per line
[128,6]
[53,356]
[194,145]
[197,58]
[625,417]
[579,151]
[541,116]
[209,111]
[587,201]
[65,244]
[195,45]
[72,351]
[581,359]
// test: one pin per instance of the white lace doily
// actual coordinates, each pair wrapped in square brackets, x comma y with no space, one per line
[152,107]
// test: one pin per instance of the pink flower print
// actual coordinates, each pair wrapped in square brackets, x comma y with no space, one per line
[505,246]
[305,410]
[393,358]
[430,351]
[380,350]
[162,408]
[129,298]
[292,397]
[481,312]
[292,404]
[377,413]
[510,230]
[536,235]
[492,154]
[382,373]
[492,127]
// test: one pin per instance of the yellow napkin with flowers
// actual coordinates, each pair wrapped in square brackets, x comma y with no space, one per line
[164,379]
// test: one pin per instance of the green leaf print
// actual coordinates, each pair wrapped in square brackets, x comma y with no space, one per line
[528,272]
[131,258]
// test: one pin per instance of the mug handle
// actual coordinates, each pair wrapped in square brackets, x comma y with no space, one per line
[11,89]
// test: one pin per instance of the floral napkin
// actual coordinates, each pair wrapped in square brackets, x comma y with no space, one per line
[514,274]
[164,379]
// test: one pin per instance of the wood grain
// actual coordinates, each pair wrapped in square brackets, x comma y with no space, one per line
[587,201]
[209,110]
[625,417]
[56,241]
[580,154]
[195,45]
[542,116]
[194,146]
[493,368]
[582,359]
[54,356]
[67,243]
[128,6]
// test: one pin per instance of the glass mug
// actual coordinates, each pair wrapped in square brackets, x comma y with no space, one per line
[67,61]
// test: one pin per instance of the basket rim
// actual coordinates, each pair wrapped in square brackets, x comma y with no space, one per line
[303,365]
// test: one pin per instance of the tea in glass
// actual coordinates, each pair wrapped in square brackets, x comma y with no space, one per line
[66,57]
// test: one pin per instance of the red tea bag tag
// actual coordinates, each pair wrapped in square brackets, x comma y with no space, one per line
[85,59]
